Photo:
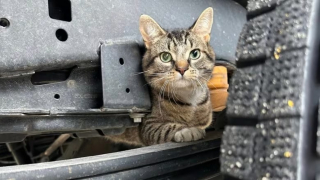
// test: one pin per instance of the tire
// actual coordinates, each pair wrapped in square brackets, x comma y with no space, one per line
[274,94]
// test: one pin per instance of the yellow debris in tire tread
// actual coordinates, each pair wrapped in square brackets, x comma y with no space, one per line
[287,154]
[290,103]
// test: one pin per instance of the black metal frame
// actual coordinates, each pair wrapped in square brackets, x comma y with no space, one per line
[142,163]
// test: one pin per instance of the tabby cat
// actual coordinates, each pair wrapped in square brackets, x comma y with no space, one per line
[177,65]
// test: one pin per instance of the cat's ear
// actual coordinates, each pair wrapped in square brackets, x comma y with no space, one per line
[150,30]
[203,25]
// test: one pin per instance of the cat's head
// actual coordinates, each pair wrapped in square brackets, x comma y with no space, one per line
[180,58]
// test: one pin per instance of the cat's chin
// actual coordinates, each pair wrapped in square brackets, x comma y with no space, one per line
[183,83]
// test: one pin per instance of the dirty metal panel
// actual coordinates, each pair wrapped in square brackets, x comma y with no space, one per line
[32,40]
[82,90]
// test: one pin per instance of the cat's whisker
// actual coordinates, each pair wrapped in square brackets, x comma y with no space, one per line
[172,93]
[202,78]
[152,75]
[206,80]
[200,75]
[155,80]
[194,85]
[169,97]
[173,97]
[159,98]
[140,72]
[164,89]
[200,84]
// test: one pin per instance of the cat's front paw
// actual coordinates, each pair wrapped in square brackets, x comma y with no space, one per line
[189,134]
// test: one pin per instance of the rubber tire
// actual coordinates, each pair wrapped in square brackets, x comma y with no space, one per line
[274,94]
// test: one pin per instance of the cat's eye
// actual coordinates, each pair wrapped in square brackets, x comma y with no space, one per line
[195,54]
[165,57]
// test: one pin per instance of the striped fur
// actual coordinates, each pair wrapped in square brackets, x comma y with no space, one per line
[181,102]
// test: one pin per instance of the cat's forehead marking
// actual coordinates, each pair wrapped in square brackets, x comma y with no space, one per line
[178,41]
[178,37]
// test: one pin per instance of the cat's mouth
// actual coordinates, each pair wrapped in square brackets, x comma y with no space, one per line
[181,77]
[184,78]
[183,82]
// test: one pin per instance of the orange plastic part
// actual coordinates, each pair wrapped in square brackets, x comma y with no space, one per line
[218,86]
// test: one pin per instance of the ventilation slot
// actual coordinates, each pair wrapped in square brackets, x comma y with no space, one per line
[60,10]
[48,77]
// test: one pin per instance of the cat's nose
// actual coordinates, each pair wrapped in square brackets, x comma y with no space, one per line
[182,66]
[182,70]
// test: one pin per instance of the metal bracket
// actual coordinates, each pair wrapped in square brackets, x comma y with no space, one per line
[124,87]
